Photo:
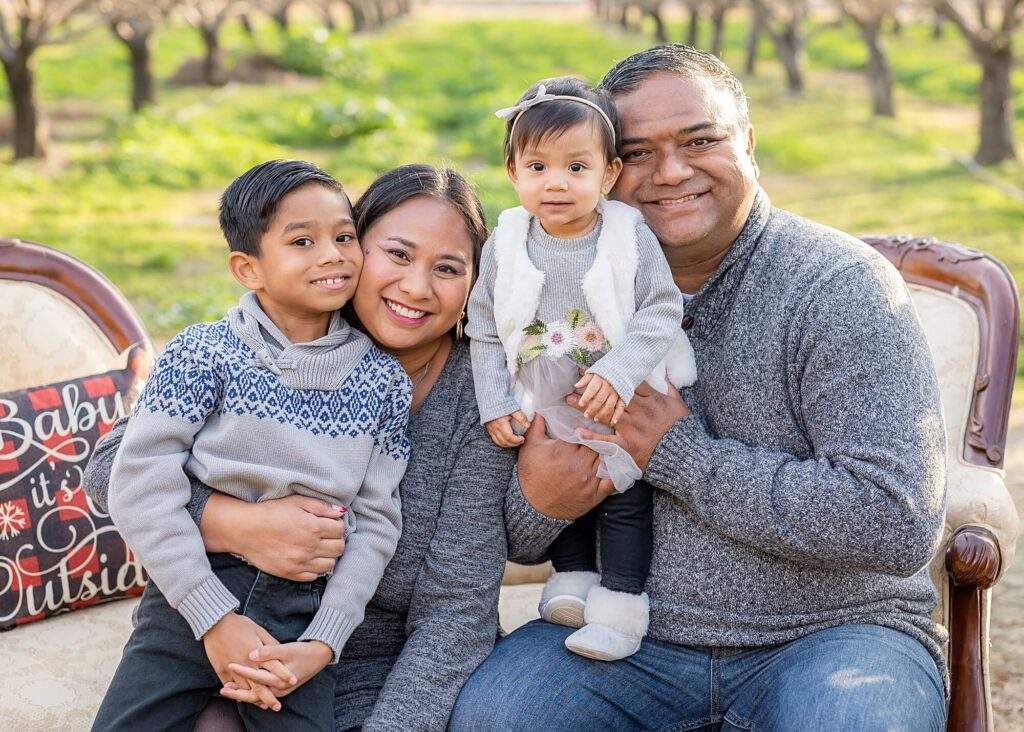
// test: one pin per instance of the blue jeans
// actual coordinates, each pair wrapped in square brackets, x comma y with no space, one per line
[849,678]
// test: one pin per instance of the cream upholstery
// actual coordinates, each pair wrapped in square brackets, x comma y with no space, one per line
[46,338]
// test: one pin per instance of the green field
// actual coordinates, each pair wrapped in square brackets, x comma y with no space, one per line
[136,197]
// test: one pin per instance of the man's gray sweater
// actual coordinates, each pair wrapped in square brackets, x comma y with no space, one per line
[807,490]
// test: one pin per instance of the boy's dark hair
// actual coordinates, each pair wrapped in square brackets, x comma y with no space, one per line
[551,119]
[248,205]
[675,58]
[406,182]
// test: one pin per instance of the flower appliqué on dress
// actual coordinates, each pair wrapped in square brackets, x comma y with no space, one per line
[577,336]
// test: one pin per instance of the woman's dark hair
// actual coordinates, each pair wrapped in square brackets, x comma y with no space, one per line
[248,205]
[552,118]
[397,186]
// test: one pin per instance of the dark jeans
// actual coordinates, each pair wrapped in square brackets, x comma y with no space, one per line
[625,524]
[165,679]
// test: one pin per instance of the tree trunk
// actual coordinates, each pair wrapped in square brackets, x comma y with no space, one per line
[212,60]
[694,29]
[789,49]
[718,30]
[879,69]
[659,25]
[280,17]
[937,20]
[28,137]
[143,90]
[753,40]
[358,16]
[996,104]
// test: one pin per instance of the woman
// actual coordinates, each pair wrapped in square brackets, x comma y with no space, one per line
[434,616]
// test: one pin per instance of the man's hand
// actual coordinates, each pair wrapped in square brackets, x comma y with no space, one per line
[501,432]
[599,401]
[559,479]
[302,659]
[645,421]
[297,537]
[229,643]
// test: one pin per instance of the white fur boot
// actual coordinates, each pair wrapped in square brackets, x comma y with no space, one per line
[616,622]
[564,596]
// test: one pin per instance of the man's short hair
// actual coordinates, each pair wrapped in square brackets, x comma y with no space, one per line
[676,58]
[249,204]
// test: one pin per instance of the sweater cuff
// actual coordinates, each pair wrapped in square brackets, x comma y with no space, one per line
[197,500]
[621,385]
[682,458]
[529,526]
[206,604]
[498,409]
[331,627]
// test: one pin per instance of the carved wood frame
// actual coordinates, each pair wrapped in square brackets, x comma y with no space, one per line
[81,284]
[972,554]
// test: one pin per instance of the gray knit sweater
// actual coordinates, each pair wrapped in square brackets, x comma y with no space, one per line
[434,616]
[564,262]
[807,490]
[325,419]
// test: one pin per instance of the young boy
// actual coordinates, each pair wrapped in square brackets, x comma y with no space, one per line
[279,397]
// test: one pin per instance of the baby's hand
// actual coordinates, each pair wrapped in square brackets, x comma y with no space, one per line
[500,429]
[599,401]
[283,668]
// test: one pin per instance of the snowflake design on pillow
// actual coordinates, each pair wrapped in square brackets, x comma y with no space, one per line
[577,337]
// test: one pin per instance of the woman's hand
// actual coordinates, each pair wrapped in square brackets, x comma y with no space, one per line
[558,478]
[648,417]
[296,537]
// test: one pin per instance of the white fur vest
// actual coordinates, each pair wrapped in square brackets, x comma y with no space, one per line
[608,286]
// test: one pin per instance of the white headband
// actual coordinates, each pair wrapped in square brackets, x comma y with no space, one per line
[514,113]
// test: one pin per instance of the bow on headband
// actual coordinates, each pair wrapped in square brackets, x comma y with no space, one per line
[514,113]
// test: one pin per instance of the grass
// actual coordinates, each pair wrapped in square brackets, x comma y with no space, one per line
[136,196]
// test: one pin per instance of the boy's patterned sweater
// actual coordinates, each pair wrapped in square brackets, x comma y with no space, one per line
[238,406]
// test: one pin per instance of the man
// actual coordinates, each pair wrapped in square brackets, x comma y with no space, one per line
[800,482]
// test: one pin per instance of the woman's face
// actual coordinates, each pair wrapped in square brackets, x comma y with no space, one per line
[417,270]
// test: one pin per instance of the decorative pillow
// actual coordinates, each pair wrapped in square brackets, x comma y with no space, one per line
[58,551]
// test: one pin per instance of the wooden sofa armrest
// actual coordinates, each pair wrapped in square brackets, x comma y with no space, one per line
[973,561]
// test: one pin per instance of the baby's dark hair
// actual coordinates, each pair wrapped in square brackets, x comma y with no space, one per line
[248,205]
[551,119]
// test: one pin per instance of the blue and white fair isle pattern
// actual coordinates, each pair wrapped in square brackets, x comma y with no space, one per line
[208,369]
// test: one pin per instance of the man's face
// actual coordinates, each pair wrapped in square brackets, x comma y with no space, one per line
[687,165]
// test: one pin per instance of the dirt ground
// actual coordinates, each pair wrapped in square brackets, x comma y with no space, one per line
[1007,659]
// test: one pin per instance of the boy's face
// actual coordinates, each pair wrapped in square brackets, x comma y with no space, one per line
[560,179]
[309,259]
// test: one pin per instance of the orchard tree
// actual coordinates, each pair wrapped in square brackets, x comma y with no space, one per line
[784,22]
[25,26]
[133,22]
[208,17]
[988,26]
[868,16]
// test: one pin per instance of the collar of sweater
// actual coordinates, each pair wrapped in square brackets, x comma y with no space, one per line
[714,298]
[321,364]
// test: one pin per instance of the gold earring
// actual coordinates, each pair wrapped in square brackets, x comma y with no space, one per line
[458,326]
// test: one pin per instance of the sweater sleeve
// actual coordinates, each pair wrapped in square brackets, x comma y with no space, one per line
[453,614]
[655,323]
[375,523]
[490,372]
[871,496]
[149,490]
[96,478]
[528,531]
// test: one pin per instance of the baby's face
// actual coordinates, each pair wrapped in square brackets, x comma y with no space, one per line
[309,257]
[560,179]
